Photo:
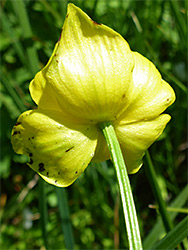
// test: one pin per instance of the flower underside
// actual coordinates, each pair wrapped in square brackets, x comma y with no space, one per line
[91,77]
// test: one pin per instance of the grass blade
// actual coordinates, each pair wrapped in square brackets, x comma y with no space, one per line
[6,25]
[158,230]
[65,218]
[7,84]
[20,9]
[180,21]
[174,237]
[150,171]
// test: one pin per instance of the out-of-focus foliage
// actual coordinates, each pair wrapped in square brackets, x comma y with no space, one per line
[157,29]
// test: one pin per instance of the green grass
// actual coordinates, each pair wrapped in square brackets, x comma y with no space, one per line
[32,214]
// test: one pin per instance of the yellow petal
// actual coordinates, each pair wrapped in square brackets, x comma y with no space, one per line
[59,153]
[136,138]
[151,96]
[90,71]
[42,92]
[102,152]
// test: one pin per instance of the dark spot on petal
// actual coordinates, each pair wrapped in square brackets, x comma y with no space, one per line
[76,172]
[95,22]
[123,96]
[58,172]
[16,132]
[57,61]
[18,123]
[167,99]
[55,181]
[30,154]
[41,167]
[69,149]
[32,137]
[67,15]
[47,173]
[31,161]
[29,139]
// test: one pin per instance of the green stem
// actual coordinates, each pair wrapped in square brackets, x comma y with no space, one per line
[157,192]
[124,185]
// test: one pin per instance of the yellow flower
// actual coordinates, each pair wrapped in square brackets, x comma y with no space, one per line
[91,77]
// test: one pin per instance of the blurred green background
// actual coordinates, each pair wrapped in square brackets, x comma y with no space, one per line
[33,213]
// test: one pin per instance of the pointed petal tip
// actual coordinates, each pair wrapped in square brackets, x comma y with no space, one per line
[135,170]
[74,11]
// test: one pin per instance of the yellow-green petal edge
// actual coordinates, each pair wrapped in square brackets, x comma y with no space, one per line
[58,152]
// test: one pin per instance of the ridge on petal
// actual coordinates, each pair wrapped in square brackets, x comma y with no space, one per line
[151,94]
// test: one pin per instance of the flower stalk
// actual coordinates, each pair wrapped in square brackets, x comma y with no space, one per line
[131,221]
